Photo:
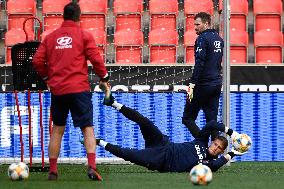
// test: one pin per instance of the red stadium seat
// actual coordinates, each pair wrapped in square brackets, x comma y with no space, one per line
[93,21]
[100,38]
[129,21]
[52,13]
[128,47]
[18,11]
[126,6]
[238,46]
[93,6]
[189,41]
[268,46]
[239,13]
[52,22]
[21,7]
[13,37]
[192,7]
[267,14]
[16,21]
[163,21]
[53,7]
[128,14]
[93,14]
[163,45]
[163,14]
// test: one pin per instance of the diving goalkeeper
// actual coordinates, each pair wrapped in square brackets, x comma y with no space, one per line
[164,156]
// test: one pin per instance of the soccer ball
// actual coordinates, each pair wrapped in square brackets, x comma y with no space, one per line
[18,171]
[200,175]
[241,143]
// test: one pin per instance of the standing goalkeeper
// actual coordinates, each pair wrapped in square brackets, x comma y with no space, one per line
[206,81]
[164,156]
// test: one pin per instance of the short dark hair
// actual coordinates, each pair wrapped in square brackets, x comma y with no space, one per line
[224,141]
[205,17]
[72,11]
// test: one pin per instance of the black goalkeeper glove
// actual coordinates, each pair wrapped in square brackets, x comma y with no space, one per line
[232,133]
[234,153]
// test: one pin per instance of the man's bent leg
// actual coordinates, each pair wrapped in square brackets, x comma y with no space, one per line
[54,149]
[151,134]
[190,114]
[152,158]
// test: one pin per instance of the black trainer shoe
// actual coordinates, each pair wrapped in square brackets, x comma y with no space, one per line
[108,101]
[52,176]
[94,174]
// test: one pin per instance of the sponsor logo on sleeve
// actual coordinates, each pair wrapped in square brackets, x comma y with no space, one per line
[218,47]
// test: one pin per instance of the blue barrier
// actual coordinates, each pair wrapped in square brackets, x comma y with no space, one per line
[260,115]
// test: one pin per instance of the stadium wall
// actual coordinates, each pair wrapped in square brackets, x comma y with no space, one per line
[259,114]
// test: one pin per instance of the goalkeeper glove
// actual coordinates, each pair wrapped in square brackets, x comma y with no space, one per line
[234,153]
[105,87]
[231,132]
[189,94]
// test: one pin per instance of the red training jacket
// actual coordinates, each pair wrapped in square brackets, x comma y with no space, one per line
[62,59]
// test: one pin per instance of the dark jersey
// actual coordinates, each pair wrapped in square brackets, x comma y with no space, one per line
[208,58]
[181,157]
[161,154]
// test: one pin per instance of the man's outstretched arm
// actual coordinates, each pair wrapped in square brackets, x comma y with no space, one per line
[214,165]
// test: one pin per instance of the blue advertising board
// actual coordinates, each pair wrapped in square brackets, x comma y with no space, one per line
[260,115]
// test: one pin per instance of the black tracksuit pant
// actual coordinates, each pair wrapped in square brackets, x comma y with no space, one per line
[205,98]
[153,156]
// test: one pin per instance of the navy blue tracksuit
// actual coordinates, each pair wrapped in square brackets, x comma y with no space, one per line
[161,154]
[207,78]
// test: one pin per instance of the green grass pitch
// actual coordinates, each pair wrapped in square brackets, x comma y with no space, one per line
[240,175]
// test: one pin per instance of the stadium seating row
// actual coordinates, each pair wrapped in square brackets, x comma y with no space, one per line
[128,13]
[267,44]
[163,45]
[267,14]
[163,36]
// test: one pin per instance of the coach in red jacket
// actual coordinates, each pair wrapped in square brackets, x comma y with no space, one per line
[61,60]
